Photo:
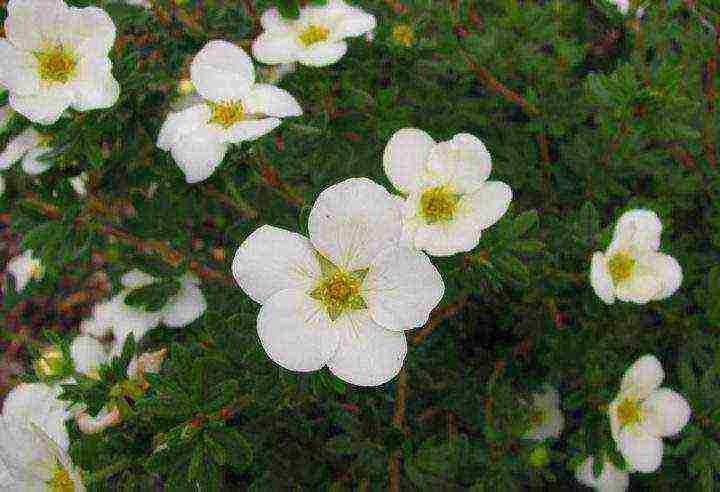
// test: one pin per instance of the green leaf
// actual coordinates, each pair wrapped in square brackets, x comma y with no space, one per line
[524,223]
[289,9]
[588,222]
[238,452]
[153,297]
[713,295]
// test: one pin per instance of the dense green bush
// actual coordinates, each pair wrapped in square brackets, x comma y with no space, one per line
[587,113]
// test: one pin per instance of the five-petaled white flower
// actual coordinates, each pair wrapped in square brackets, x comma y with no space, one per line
[316,38]
[610,480]
[343,297]
[449,200]
[546,418]
[25,268]
[55,56]
[29,146]
[632,269]
[643,413]
[234,109]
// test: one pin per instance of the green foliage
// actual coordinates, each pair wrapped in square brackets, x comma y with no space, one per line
[612,117]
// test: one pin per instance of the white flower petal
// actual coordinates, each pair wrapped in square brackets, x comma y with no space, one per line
[464,162]
[91,31]
[368,354]
[638,228]
[24,268]
[134,279]
[640,288]
[405,157]
[18,146]
[273,47]
[322,53]
[667,271]
[18,70]
[352,221]
[31,162]
[222,71]
[187,305]
[87,354]
[271,20]
[600,278]
[249,130]
[273,259]
[93,425]
[271,100]
[642,451]
[489,203]
[39,403]
[610,480]
[31,23]
[44,108]
[353,23]
[179,124]
[402,288]
[643,377]
[199,154]
[296,332]
[446,238]
[666,413]
[95,86]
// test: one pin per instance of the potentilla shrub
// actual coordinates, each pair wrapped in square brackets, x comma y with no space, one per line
[381,245]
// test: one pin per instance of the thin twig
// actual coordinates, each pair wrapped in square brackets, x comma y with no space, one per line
[439,316]
[398,421]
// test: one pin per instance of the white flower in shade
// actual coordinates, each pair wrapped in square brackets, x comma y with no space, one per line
[39,403]
[344,297]
[632,269]
[234,109]
[88,354]
[448,198]
[79,183]
[187,305]
[93,425]
[55,56]
[643,413]
[624,7]
[546,418]
[29,146]
[25,268]
[316,38]
[610,480]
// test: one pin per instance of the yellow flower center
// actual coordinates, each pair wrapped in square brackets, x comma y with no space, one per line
[61,481]
[314,34]
[403,34]
[57,64]
[338,291]
[226,114]
[438,204]
[621,266]
[537,417]
[628,412]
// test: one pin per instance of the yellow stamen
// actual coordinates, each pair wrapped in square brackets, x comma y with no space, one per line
[621,266]
[57,64]
[438,204]
[339,292]
[314,34]
[403,34]
[628,412]
[61,481]
[226,114]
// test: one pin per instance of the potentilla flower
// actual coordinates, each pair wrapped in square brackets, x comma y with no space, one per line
[448,198]
[610,480]
[55,56]
[25,268]
[29,146]
[79,183]
[316,38]
[643,413]
[546,418]
[344,297]
[234,109]
[632,269]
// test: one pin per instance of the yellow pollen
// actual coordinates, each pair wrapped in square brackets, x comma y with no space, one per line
[226,114]
[339,292]
[57,64]
[314,34]
[61,481]
[438,204]
[628,412]
[621,266]
[403,34]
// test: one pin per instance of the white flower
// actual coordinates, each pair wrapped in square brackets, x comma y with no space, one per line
[104,419]
[147,363]
[55,56]
[632,269]
[29,146]
[88,354]
[235,109]
[610,480]
[316,38]
[546,418]
[79,183]
[643,413]
[449,200]
[187,305]
[25,268]
[624,7]
[344,297]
